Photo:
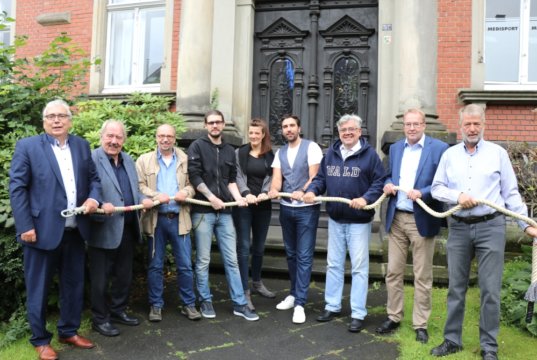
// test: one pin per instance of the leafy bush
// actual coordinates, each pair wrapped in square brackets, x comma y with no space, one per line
[516,281]
[141,114]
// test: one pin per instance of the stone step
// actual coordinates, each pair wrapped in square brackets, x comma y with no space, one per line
[276,266]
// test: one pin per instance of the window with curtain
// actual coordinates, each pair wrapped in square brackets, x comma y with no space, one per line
[135,48]
[511,42]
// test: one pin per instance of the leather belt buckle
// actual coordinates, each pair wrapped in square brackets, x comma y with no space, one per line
[476,219]
[169,215]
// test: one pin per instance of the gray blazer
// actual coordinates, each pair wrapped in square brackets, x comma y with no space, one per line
[107,231]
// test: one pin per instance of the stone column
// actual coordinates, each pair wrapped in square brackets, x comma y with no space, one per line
[194,64]
[414,66]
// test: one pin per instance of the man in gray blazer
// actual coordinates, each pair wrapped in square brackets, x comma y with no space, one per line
[111,246]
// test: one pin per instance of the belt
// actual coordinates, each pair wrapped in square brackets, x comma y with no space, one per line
[405,211]
[476,219]
[169,215]
[69,229]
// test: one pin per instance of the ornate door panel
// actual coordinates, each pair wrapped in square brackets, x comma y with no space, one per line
[318,60]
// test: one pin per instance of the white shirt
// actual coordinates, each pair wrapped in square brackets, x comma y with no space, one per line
[345,153]
[315,155]
[65,162]
[407,173]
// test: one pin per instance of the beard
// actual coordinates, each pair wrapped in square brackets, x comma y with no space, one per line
[473,142]
[215,135]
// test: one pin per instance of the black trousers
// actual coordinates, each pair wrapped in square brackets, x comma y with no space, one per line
[111,277]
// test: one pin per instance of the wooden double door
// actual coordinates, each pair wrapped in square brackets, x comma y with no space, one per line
[318,60]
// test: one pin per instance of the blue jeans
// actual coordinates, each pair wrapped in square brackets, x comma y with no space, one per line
[255,221]
[166,230]
[221,225]
[299,231]
[355,238]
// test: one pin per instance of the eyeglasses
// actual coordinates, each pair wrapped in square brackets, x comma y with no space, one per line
[349,129]
[213,123]
[412,125]
[56,116]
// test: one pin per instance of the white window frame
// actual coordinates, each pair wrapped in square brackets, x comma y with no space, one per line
[11,26]
[522,83]
[100,43]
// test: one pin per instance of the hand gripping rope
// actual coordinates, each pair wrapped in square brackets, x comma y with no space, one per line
[531,294]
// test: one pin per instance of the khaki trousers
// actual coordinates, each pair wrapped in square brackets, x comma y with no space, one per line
[403,234]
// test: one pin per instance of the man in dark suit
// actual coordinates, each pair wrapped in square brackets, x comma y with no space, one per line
[49,173]
[413,163]
[111,245]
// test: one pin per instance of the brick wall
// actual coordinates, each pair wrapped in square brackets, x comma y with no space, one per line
[80,28]
[40,36]
[516,123]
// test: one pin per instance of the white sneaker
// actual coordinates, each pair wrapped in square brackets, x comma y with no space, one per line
[287,303]
[299,317]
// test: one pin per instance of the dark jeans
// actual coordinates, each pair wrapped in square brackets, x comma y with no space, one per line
[299,230]
[255,221]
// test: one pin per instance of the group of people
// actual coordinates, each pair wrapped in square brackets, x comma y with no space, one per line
[57,170]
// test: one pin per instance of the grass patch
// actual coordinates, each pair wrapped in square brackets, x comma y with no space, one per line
[514,344]
[23,350]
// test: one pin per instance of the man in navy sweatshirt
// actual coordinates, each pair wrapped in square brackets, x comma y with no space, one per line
[350,169]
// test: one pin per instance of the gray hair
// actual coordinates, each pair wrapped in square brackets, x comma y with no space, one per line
[55,103]
[113,122]
[472,110]
[348,117]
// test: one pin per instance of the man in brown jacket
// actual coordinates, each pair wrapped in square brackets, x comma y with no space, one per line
[162,176]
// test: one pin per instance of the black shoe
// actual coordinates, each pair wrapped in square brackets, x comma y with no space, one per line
[123,318]
[105,329]
[422,336]
[489,355]
[327,315]
[387,327]
[356,325]
[446,348]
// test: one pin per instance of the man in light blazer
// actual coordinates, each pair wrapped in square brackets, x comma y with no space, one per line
[413,163]
[49,173]
[113,238]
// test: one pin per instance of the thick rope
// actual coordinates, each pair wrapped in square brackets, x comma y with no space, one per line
[531,294]
[81,209]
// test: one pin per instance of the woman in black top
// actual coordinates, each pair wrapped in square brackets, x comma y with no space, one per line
[254,175]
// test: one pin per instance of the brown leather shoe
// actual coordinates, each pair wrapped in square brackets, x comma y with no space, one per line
[46,352]
[78,341]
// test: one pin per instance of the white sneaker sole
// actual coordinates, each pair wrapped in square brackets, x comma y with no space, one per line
[244,316]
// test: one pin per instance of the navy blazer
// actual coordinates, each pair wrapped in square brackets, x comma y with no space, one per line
[107,231]
[432,151]
[37,192]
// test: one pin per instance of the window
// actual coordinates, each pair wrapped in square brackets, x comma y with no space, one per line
[510,44]
[134,45]
[6,32]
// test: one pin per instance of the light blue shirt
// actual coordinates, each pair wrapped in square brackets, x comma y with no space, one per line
[486,174]
[407,174]
[167,182]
